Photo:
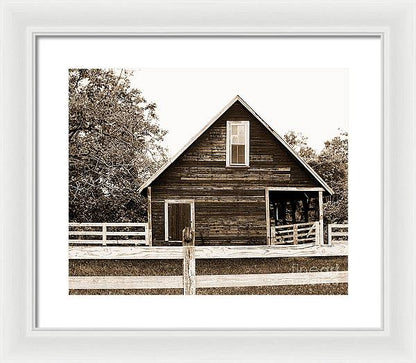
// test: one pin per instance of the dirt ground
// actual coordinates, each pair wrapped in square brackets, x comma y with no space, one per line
[215,267]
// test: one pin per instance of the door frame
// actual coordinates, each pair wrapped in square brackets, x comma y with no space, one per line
[178,201]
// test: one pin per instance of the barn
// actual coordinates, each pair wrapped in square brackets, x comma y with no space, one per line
[237,182]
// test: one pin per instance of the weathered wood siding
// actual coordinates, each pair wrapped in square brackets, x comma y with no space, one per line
[229,201]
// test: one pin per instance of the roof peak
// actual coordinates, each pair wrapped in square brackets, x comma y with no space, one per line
[215,118]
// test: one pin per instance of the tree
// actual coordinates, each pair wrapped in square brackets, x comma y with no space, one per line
[299,143]
[115,144]
[332,165]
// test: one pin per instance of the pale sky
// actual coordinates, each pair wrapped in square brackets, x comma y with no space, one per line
[311,101]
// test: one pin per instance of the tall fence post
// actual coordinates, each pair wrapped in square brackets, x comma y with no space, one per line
[104,234]
[330,234]
[188,243]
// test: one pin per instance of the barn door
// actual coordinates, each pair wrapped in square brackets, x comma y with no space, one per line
[178,215]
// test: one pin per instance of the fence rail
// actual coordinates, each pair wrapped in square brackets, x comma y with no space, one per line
[204,252]
[334,231]
[207,281]
[104,233]
[297,233]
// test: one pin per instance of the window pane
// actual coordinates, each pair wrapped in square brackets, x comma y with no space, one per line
[234,154]
[238,155]
[238,134]
[241,134]
[241,156]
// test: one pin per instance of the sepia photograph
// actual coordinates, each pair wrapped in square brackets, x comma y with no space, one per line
[258,157]
[208,181]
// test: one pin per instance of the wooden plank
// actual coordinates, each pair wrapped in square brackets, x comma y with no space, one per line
[296,189]
[136,253]
[339,234]
[86,241]
[339,226]
[267,197]
[304,242]
[316,227]
[108,224]
[93,233]
[85,233]
[301,232]
[125,282]
[189,271]
[295,234]
[166,223]
[330,234]
[234,200]
[121,233]
[278,177]
[303,278]
[270,251]
[300,235]
[188,241]
[207,281]
[85,224]
[301,240]
[108,241]
[149,237]
[321,218]
[310,224]
[173,252]
[104,234]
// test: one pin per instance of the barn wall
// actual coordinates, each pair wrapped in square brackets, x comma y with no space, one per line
[229,201]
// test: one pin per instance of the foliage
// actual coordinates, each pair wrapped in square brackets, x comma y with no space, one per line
[299,143]
[115,143]
[332,165]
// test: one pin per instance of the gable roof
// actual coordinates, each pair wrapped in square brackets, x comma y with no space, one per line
[264,123]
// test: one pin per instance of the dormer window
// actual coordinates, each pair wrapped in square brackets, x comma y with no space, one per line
[238,143]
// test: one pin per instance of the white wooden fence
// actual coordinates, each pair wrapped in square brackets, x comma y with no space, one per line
[189,277]
[337,230]
[296,233]
[108,233]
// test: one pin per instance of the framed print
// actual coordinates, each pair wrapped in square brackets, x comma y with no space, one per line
[257,158]
[265,224]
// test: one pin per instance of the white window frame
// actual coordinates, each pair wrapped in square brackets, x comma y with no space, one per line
[247,143]
[178,201]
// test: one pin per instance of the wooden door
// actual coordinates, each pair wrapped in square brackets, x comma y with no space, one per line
[179,217]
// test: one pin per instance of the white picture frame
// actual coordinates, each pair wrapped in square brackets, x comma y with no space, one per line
[23,21]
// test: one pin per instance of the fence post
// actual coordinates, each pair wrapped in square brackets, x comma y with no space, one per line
[321,218]
[146,234]
[329,234]
[268,230]
[295,234]
[104,234]
[188,243]
[316,233]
